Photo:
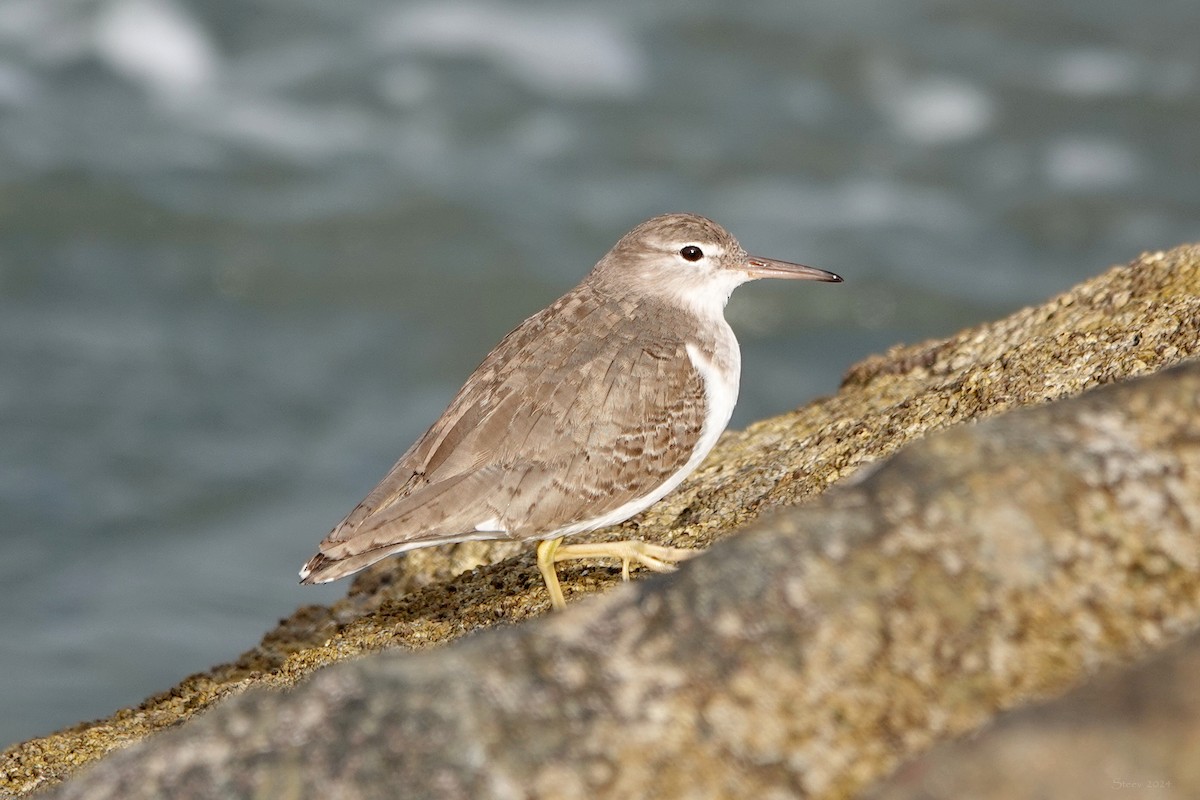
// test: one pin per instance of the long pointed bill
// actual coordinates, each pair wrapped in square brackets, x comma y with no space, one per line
[770,268]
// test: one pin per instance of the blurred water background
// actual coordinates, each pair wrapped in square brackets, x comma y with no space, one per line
[249,248]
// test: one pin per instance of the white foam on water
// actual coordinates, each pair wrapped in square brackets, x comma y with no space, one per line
[158,44]
[562,52]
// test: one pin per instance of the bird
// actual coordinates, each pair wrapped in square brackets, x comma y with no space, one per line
[584,415]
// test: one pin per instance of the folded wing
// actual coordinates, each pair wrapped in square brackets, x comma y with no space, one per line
[543,436]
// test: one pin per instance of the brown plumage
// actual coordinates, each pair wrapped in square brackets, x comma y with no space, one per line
[581,416]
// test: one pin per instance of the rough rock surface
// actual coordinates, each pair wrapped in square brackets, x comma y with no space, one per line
[1129,321]
[1131,733]
[981,568]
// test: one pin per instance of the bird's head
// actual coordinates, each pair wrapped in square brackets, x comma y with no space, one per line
[692,259]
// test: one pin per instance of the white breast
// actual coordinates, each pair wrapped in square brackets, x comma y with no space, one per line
[720,396]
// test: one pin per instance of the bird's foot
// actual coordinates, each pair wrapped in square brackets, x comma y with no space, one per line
[651,556]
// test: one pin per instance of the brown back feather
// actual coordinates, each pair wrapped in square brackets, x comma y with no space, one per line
[549,430]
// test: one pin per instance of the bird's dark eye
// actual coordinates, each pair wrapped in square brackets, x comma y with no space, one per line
[692,253]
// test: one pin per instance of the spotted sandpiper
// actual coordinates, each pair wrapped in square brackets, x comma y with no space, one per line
[587,413]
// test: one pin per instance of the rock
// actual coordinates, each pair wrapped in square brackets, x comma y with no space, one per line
[1128,732]
[1129,321]
[982,568]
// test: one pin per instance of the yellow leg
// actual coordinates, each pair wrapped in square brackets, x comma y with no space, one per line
[652,556]
[546,550]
